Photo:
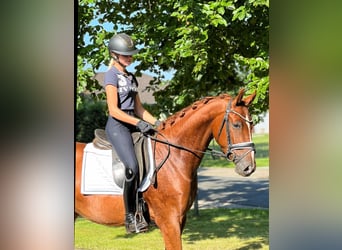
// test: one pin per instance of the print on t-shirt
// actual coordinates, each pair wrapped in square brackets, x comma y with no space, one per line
[122,84]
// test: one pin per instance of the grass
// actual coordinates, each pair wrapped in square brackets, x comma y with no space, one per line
[262,154]
[218,228]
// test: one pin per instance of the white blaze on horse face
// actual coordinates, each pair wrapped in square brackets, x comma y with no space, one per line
[249,133]
[249,128]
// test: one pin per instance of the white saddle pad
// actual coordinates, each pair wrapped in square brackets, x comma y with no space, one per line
[97,172]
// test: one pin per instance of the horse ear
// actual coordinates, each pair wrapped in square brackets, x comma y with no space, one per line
[240,101]
[249,99]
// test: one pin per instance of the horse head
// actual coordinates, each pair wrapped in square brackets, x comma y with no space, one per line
[233,132]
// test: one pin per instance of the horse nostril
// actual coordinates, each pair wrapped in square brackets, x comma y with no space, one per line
[248,170]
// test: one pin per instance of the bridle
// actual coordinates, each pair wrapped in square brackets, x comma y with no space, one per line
[230,155]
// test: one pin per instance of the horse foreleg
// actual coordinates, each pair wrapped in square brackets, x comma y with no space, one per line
[171,229]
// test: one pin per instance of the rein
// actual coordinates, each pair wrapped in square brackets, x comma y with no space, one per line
[193,151]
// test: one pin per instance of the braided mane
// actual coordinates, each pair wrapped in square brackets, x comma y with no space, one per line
[191,108]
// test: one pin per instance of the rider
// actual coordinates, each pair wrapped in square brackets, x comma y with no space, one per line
[126,115]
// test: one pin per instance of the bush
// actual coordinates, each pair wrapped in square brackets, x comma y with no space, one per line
[90,115]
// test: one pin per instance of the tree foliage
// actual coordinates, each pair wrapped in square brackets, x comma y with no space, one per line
[212,46]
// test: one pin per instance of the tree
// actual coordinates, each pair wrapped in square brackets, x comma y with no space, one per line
[212,46]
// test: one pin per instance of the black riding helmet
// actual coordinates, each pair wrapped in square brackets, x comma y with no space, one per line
[122,44]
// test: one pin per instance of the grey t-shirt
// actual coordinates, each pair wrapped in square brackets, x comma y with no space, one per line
[127,87]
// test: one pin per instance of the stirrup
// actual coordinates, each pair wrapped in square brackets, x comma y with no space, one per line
[136,223]
[140,223]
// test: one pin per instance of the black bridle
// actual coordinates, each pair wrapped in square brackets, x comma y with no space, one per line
[230,155]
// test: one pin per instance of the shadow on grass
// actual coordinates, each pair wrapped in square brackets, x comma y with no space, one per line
[152,227]
[226,223]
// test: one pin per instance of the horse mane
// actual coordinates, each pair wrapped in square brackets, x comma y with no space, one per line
[191,108]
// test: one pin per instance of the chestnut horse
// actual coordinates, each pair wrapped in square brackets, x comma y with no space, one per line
[182,139]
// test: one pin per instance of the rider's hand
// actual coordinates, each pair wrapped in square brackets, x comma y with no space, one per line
[145,127]
[157,123]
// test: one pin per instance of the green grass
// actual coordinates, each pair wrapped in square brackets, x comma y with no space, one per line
[213,229]
[261,157]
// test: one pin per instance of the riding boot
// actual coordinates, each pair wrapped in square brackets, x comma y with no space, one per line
[129,195]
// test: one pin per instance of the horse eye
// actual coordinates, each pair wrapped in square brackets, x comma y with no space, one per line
[237,125]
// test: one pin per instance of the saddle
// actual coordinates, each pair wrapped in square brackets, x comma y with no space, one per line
[144,157]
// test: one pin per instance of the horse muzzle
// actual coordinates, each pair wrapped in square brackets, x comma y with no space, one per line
[245,170]
[242,154]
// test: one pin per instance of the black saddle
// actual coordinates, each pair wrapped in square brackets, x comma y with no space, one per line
[100,141]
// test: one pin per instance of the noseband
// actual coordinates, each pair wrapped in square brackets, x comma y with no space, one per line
[230,155]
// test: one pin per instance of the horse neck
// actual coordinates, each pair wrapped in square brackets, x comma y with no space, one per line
[192,126]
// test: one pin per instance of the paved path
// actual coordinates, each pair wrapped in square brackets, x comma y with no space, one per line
[222,187]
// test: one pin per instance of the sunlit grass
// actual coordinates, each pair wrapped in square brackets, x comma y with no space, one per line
[212,229]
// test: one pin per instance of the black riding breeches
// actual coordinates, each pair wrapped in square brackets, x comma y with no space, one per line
[119,135]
